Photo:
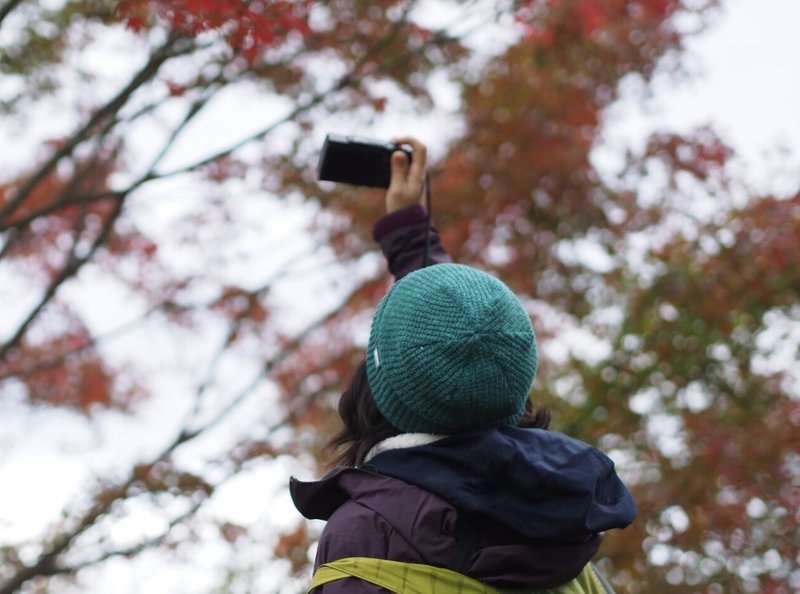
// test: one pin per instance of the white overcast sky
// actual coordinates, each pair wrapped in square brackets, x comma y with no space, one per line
[747,85]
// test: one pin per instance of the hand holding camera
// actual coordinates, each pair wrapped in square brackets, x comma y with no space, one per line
[407,181]
[391,165]
[364,162]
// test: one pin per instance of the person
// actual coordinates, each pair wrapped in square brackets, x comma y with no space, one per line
[443,463]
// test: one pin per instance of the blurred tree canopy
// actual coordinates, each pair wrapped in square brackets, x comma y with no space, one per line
[215,273]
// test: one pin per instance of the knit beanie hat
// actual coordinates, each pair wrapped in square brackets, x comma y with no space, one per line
[450,349]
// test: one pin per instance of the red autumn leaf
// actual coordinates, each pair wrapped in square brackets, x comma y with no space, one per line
[591,15]
[379,103]
[175,89]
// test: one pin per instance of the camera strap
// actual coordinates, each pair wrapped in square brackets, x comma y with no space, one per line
[425,257]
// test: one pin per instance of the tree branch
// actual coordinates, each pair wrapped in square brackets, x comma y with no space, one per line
[74,264]
[10,238]
[71,267]
[47,565]
[6,8]
[134,550]
[169,50]
[347,80]
[60,358]
[63,200]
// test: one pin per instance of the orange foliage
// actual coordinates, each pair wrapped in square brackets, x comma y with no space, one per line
[293,546]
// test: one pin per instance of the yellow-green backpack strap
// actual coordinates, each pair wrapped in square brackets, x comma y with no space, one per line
[414,578]
[399,577]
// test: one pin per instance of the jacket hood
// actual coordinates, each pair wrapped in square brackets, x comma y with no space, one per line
[540,483]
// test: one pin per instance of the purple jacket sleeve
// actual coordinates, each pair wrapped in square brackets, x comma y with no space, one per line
[401,236]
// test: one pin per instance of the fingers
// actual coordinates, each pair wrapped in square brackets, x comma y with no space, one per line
[407,182]
[399,163]
[420,155]
[399,170]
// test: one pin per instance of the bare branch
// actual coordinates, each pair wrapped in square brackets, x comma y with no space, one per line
[11,237]
[349,79]
[60,358]
[170,49]
[20,223]
[71,267]
[73,264]
[61,200]
[194,109]
[6,8]
[47,564]
[297,405]
[64,200]
[134,550]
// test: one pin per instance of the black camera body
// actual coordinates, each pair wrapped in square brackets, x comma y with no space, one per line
[357,161]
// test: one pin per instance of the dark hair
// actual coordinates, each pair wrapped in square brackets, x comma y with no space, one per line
[365,426]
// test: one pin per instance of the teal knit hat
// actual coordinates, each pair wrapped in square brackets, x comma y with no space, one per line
[451,349]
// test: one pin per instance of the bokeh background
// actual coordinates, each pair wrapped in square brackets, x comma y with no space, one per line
[181,301]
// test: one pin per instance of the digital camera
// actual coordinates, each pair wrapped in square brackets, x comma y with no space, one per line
[357,161]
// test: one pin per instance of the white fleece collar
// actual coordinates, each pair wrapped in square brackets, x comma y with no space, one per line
[404,440]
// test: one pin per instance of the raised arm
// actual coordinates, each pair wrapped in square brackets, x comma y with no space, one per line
[402,233]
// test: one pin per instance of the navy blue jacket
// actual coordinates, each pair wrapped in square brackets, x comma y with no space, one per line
[539,483]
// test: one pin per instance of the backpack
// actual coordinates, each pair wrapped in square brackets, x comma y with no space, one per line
[415,578]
